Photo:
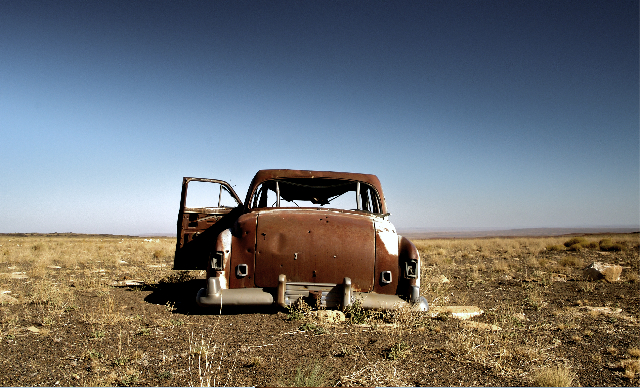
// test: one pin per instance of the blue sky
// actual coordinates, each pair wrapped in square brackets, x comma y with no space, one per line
[487,114]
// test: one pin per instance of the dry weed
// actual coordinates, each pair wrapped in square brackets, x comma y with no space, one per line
[378,374]
[633,352]
[571,261]
[631,368]
[501,265]
[554,377]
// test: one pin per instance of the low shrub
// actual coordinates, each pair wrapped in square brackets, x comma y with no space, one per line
[591,245]
[578,243]
[574,241]
[555,248]
[575,248]
[310,376]
[607,245]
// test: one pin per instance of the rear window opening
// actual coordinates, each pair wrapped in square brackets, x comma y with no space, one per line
[316,192]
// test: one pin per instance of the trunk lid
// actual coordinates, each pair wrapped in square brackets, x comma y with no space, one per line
[315,246]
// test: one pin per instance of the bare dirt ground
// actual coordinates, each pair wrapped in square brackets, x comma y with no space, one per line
[104,310]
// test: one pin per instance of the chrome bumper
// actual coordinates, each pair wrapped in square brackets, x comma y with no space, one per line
[327,295]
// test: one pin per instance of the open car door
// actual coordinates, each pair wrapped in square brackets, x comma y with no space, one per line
[200,220]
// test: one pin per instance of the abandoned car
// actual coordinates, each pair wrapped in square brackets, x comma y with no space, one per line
[319,235]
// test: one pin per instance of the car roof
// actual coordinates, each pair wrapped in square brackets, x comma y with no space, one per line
[265,175]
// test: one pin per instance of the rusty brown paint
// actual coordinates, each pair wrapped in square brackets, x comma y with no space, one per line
[243,244]
[386,261]
[408,252]
[198,228]
[315,247]
[265,248]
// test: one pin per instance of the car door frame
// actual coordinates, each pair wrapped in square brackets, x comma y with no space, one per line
[198,228]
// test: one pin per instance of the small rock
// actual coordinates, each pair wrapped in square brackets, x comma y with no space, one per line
[330,316]
[439,279]
[597,270]
[558,277]
[459,312]
[19,275]
[33,329]
[602,310]
[520,316]
[129,283]
[6,298]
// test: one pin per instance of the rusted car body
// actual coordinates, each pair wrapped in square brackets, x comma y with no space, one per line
[319,235]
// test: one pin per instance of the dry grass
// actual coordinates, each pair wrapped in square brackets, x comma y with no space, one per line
[41,257]
[515,257]
[571,261]
[520,333]
[377,374]
[554,377]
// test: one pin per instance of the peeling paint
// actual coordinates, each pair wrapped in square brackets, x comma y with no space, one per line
[388,236]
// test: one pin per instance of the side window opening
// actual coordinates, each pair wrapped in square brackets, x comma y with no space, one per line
[202,194]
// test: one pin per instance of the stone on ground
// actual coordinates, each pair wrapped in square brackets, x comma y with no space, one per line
[329,316]
[597,271]
[459,312]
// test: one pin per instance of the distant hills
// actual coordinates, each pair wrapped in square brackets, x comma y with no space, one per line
[426,233]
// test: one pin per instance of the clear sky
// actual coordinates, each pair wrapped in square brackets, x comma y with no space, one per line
[496,114]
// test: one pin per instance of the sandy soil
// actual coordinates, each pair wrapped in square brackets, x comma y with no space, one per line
[70,319]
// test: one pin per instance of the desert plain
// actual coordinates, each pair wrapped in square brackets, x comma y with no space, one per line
[96,310]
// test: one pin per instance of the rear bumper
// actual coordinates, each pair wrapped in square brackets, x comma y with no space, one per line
[326,295]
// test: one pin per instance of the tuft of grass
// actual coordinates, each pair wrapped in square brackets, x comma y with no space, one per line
[98,334]
[500,265]
[38,247]
[298,310]
[355,313]
[312,328]
[397,351]
[555,248]
[256,362]
[571,261]
[129,379]
[633,352]
[121,361]
[93,355]
[535,299]
[312,376]
[587,287]
[554,377]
